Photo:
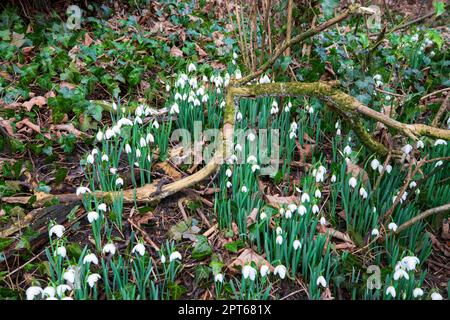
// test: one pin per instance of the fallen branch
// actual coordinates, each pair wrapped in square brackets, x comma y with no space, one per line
[423,215]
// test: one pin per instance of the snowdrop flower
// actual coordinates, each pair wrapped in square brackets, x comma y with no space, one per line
[388,168]
[318,194]
[377,78]
[249,272]
[301,210]
[323,221]
[352,182]
[296,244]
[412,185]
[228,173]
[90,159]
[244,189]
[363,193]
[92,279]
[278,230]
[139,248]
[292,207]
[142,142]
[418,292]
[439,142]
[82,190]
[127,149]
[191,67]
[102,207]
[119,182]
[175,108]
[90,258]
[105,158]
[174,256]
[238,148]
[410,262]
[69,276]
[310,109]
[338,132]
[163,259]
[375,232]
[315,208]
[333,178]
[391,291]
[167,87]
[109,248]
[92,216]
[305,198]
[218,278]
[49,292]
[288,214]
[127,122]
[400,273]
[138,153]
[178,96]
[280,270]
[61,251]
[420,144]
[279,240]
[94,151]
[149,138]
[251,159]
[392,226]
[99,136]
[155,124]
[374,164]
[407,149]
[347,150]
[251,137]
[62,288]
[229,184]
[436,296]
[262,215]
[239,116]
[264,79]
[255,167]
[58,230]
[264,270]
[292,135]
[321,281]
[33,292]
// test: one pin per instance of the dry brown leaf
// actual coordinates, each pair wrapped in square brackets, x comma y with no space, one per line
[251,218]
[27,50]
[202,53]
[277,201]
[69,128]
[218,38]
[247,257]
[217,65]
[326,295]
[87,40]
[6,124]
[176,52]
[35,101]
[67,85]
[168,169]
[357,171]
[29,124]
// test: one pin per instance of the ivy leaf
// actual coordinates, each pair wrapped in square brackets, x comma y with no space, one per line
[234,246]
[439,7]
[328,7]
[202,248]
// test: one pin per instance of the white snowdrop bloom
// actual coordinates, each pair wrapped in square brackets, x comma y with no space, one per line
[388,168]
[374,164]
[90,258]
[205,98]
[62,288]
[412,185]
[315,208]
[296,244]
[235,55]
[139,248]
[200,91]
[102,207]
[292,135]
[352,182]
[418,292]
[109,134]
[338,132]
[255,167]
[142,142]
[163,259]
[174,256]
[280,270]
[400,273]
[333,178]
[410,262]
[249,272]
[57,230]
[239,116]
[264,79]
[439,142]
[197,103]
[274,110]
[178,96]
[232,159]
[310,109]
[417,192]
[125,122]
[222,104]
[363,193]
[155,124]
[127,149]
[305,198]
[392,226]
[105,158]
[244,189]
[191,67]
[436,296]
[229,184]
[138,153]
[109,248]
[347,150]
[92,279]
[278,230]
[69,276]
[149,138]
[228,173]
[252,159]
[378,80]
[119,182]
[251,137]
[438,163]
[375,232]
[99,136]
[175,108]
[391,291]
[49,292]
[82,190]
[61,251]
[301,210]
[114,106]
[407,149]
[321,281]
[33,292]
[281,211]
[218,278]
[292,207]
[90,159]
[420,144]
[185,96]
[264,270]
[94,152]
[279,240]
[138,120]
[323,221]
[167,87]
[92,216]
[262,215]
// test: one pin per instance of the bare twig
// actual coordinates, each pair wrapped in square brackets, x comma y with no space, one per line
[423,215]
